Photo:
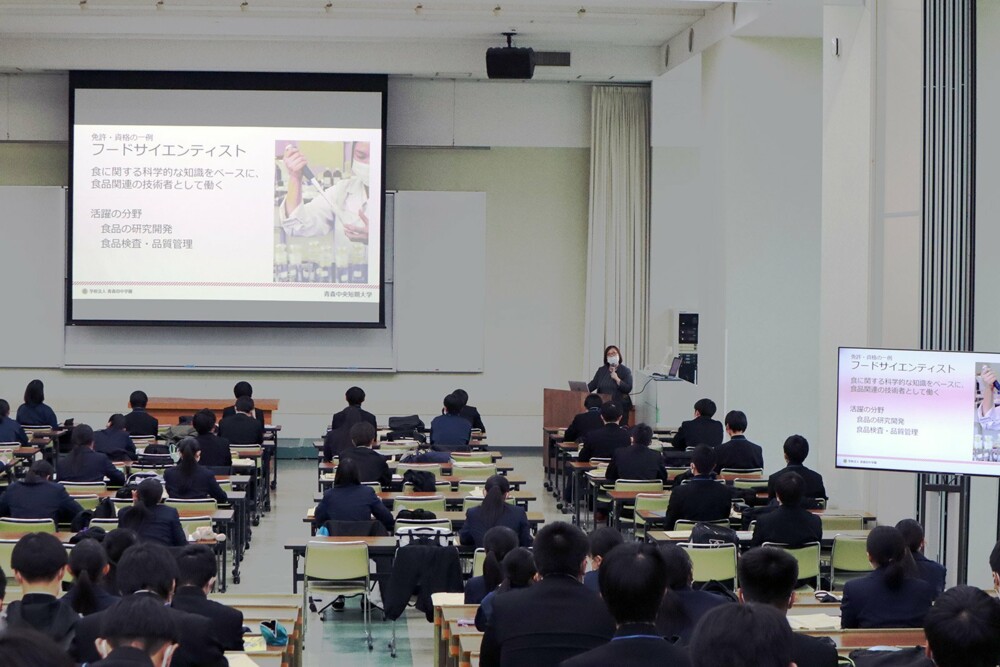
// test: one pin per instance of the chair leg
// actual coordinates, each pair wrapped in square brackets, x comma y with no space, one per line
[392,642]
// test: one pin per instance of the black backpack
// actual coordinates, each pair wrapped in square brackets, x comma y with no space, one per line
[422,480]
[905,657]
[416,515]
[408,423]
[708,533]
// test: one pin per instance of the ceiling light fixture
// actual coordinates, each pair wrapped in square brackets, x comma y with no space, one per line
[497,10]
[581,12]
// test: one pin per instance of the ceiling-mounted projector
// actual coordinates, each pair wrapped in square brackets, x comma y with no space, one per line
[510,62]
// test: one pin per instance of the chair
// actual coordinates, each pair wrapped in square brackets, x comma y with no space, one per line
[753,483]
[82,488]
[473,471]
[431,532]
[429,503]
[736,473]
[6,549]
[106,524]
[848,560]
[842,522]
[472,457]
[478,558]
[88,501]
[337,569]
[808,558]
[656,502]
[226,486]
[712,562]
[12,525]
[434,468]
[688,524]
[647,485]
[208,505]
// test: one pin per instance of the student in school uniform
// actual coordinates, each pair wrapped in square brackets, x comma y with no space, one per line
[37,497]
[114,441]
[189,479]
[214,450]
[140,422]
[152,521]
[243,389]
[10,429]
[637,461]
[700,498]
[702,430]
[242,428]
[83,464]
[34,411]
[930,571]
[738,452]
[789,524]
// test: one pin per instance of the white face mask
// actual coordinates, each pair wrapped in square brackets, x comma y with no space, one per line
[613,360]
[361,170]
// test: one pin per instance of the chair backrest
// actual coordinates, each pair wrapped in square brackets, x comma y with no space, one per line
[712,562]
[106,524]
[375,485]
[226,486]
[432,535]
[478,558]
[650,485]
[193,523]
[88,501]
[192,504]
[753,483]
[471,457]
[336,561]
[842,522]
[434,468]
[807,556]
[674,471]
[473,471]
[849,554]
[651,501]
[746,473]
[80,488]
[6,549]
[432,523]
[688,525]
[12,525]
[429,503]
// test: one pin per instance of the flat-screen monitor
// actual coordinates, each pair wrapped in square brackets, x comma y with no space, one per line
[918,411]
[226,199]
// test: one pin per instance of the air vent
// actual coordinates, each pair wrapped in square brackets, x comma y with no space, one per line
[552,58]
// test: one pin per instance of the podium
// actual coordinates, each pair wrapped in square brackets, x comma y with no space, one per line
[559,406]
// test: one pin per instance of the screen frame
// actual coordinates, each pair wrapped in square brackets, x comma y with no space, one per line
[269,81]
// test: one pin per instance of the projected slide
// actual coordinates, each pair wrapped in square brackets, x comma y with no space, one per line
[918,411]
[247,219]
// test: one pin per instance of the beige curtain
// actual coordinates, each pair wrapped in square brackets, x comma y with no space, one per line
[618,248]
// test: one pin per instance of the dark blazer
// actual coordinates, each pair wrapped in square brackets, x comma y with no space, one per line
[116,445]
[103,597]
[471,414]
[226,622]
[201,484]
[634,645]
[38,500]
[475,590]
[869,603]
[700,499]
[257,414]
[474,529]
[214,451]
[698,431]
[602,443]
[814,481]
[162,526]
[604,384]
[124,656]
[738,453]
[693,605]
[140,422]
[636,462]
[582,424]
[241,429]
[813,651]
[450,430]
[344,417]
[930,571]
[793,526]
[89,466]
[12,431]
[36,415]
[199,646]
[352,503]
[544,624]
[372,466]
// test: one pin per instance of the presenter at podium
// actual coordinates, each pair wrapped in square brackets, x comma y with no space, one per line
[615,379]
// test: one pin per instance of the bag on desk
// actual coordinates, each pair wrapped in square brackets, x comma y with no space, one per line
[904,657]
[416,515]
[422,480]
[707,533]
[408,423]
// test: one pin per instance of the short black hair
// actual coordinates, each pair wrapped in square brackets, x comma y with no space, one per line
[768,575]
[461,395]
[39,470]
[790,488]
[4,408]
[139,619]
[452,404]
[242,388]
[355,396]
[518,567]
[23,647]
[742,635]
[679,567]
[116,422]
[642,434]
[138,399]
[592,401]
[82,436]
[705,407]
[362,434]
[38,557]
[147,566]
[963,628]
[560,548]
[203,421]
[3,584]
[610,411]
[633,578]
[796,449]
[244,404]
[736,421]
[912,532]
[995,558]
[34,393]
[603,539]
[703,457]
[196,565]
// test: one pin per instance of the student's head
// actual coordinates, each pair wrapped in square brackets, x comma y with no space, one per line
[995,565]
[462,396]
[633,579]
[347,473]
[142,622]
[147,566]
[561,548]
[680,571]
[138,399]
[190,454]
[497,542]
[452,404]
[117,541]
[244,404]
[705,407]
[495,502]
[518,568]
[116,422]
[703,460]
[742,635]
[963,629]
[610,412]
[790,489]
[736,421]
[592,402]
[34,393]
[40,471]
[88,562]
[642,435]
[887,550]
[362,434]
[203,421]
[355,396]
[4,408]
[796,449]
[22,647]
[602,540]
[83,436]
[768,575]
[243,388]
[148,493]
[196,567]
[913,534]
[38,559]
[613,356]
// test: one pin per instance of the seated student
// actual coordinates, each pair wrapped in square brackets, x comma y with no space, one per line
[602,442]
[152,521]
[88,563]
[140,632]
[34,411]
[738,452]
[140,422]
[243,389]
[113,441]
[36,497]
[372,466]
[469,412]
[197,572]
[633,579]
[796,450]
[149,571]
[115,543]
[450,430]
[353,413]
[700,498]
[742,635]
[495,511]
[498,542]
[553,619]
[10,429]
[931,572]
[637,461]
[214,450]
[242,428]
[26,648]
[519,571]
[789,524]
[349,500]
[702,430]
[586,421]
[189,479]
[39,564]
[891,596]
[602,540]
[83,464]
[767,576]
[682,606]
[963,629]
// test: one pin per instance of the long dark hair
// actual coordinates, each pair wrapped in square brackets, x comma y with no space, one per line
[494,504]
[82,438]
[115,544]
[87,561]
[4,410]
[498,542]
[679,572]
[347,473]
[887,548]
[34,393]
[621,359]
[148,495]
[188,462]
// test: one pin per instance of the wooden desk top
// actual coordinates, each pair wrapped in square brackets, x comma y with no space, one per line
[449,496]
[745,535]
[456,518]
[174,403]
[852,639]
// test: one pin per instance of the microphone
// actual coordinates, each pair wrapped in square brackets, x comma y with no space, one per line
[311,177]
[996,385]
